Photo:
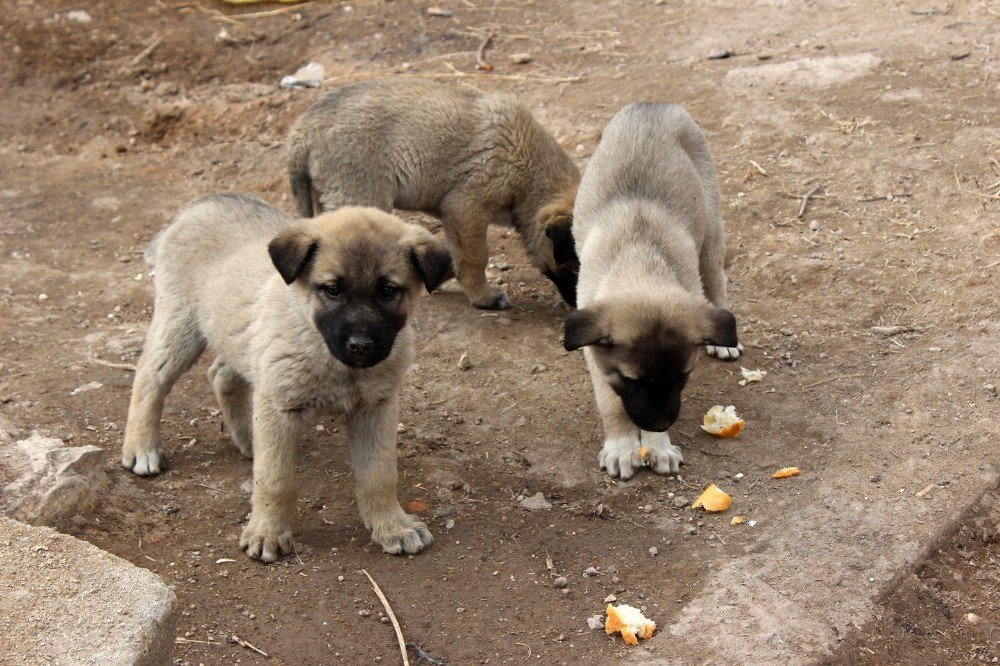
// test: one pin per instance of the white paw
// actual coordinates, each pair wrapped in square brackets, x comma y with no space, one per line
[404,535]
[663,457]
[143,463]
[725,353]
[620,456]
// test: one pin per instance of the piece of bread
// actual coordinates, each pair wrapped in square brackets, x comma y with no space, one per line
[785,472]
[630,621]
[712,499]
[723,422]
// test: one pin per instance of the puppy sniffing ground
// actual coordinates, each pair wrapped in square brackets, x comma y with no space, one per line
[652,284]
[318,327]
[470,159]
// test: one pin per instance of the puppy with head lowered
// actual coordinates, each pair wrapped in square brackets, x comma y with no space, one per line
[325,333]
[470,159]
[652,284]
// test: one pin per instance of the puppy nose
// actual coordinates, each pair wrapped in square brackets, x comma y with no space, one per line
[359,344]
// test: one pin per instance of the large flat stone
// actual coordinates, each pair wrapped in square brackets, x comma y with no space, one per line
[65,601]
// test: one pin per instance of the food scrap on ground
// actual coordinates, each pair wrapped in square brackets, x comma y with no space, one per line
[750,376]
[643,453]
[737,520]
[630,622]
[785,472]
[723,422]
[713,499]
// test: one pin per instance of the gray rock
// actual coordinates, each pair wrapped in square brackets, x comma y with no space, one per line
[54,580]
[536,502]
[560,583]
[595,622]
[48,481]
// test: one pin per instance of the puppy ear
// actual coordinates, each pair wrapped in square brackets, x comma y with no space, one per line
[561,234]
[584,328]
[291,251]
[719,328]
[432,261]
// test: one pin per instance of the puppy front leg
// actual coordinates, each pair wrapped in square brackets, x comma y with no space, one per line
[663,457]
[620,454]
[371,437]
[268,533]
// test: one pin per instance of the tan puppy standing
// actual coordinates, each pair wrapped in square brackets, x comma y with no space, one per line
[470,159]
[325,333]
[652,284]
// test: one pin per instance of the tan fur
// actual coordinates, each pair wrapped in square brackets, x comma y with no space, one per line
[470,159]
[652,284]
[216,288]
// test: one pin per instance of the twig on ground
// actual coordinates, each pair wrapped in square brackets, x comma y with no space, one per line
[108,364]
[887,197]
[758,167]
[480,63]
[805,199]
[527,646]
[892,330]
[242,643]
[423,655]
[832,379]
[392,617]
[146,51]
[273,12]
[192,640]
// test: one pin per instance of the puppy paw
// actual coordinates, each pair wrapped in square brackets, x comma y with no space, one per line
[495,299]
[142,462]
[725,353]
[663,457]
[265,542]
[620,456]
[405,535]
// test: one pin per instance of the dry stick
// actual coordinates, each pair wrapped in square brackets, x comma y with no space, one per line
[832,379]
[392,617]
[146,51]
[109,364]
[805,200]
[273,12]
[480,63]
[239,641]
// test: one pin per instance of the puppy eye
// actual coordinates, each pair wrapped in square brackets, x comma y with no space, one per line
[387,292]
[331,290]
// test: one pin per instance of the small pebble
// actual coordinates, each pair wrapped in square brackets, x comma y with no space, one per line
[464,363]
[340,579]
[384,620]
[721,54]
[972,618]
[364,613]
[814,225]
[680,501]
[648,508]
[654,551]
[691,529]
[521,58]
[43,297]
[595,622]
[591,571]
[449,524]
[560,582]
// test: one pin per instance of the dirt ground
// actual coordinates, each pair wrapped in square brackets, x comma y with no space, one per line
[110,125]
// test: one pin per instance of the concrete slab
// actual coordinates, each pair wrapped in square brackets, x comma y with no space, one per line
[65,601]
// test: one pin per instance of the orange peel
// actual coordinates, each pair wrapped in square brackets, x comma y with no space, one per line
[713,499]
[630,622]
[723,422]
[786,472]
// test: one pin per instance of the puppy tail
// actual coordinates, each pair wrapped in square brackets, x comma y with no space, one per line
[298,175]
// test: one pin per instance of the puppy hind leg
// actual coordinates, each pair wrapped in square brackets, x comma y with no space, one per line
[235,396]
[173,344]
[371,437]
[466,230]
